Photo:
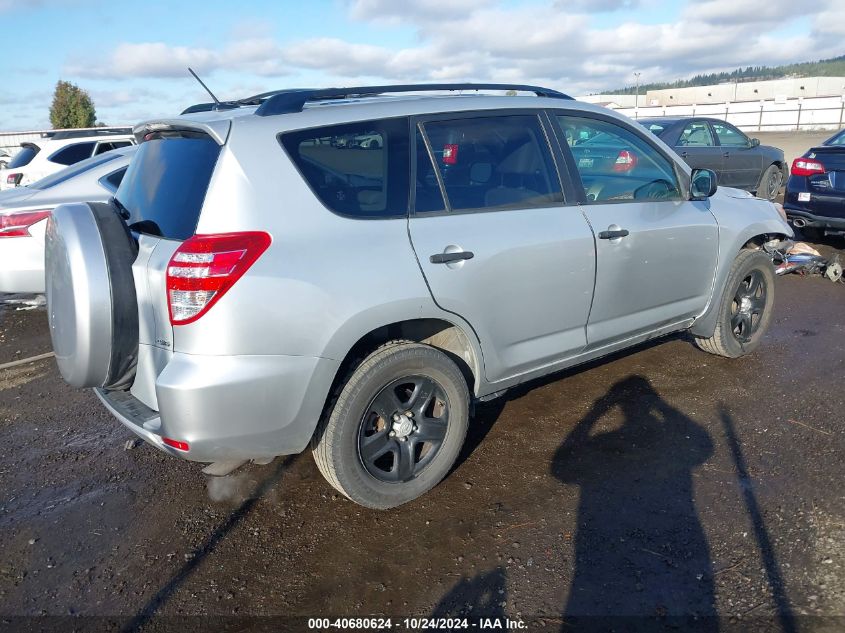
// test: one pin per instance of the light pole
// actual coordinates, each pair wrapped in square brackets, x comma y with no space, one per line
[637,95]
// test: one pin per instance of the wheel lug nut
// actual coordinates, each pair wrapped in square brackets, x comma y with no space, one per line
[392,434]
[409,414]
[395,417]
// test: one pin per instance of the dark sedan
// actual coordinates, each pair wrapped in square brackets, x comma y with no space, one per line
[738,160]
[815,192]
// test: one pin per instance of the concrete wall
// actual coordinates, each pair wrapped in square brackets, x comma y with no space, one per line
[776,89]
[819,113]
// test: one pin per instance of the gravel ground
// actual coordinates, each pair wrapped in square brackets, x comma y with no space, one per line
[694,492]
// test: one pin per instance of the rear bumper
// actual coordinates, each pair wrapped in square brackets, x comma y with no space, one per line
[813,220]
[22,263]
[230,407]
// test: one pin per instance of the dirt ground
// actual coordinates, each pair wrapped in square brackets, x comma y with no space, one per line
[697,492]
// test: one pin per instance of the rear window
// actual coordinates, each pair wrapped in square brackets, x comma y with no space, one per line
[165,185]
[24,156]
[358,169]
[72,153]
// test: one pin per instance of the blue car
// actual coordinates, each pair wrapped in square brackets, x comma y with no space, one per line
[815,192]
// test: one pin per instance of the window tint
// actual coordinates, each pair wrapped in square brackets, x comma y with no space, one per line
[494,162]
[24,156]
[165,184]
[358,169]
[428,196]
[70,172]
[113,180]
[107,147]
[729,135]
[616,164]
[838,139]
[696,134]
[72,153]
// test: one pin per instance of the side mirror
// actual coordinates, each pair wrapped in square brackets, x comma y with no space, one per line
[703,184]
[755,142]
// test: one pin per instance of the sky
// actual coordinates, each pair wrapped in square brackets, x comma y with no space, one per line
[132,56]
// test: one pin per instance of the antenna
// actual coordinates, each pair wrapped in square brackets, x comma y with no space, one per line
[216,100]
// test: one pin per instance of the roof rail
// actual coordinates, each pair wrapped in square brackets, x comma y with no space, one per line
[294,100]
[106,131]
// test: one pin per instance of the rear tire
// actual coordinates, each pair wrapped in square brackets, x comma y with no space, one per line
[745,309]
[370,449]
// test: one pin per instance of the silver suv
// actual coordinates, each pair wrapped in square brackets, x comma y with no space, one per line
[353,268]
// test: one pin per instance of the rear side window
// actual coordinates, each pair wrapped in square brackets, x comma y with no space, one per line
[696,134]
[113,180]
[165,185]
[492,162]
[107,147]
[24,156]
[72,153]
[358,169]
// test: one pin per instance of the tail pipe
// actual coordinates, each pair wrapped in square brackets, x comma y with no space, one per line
[799,222]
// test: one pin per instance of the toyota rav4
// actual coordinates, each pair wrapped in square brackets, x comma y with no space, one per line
[352,269]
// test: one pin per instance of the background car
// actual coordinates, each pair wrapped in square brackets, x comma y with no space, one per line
[815,192]
[739,161]
[24,212]
[37,159]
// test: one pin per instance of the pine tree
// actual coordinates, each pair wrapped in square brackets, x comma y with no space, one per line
[72,107]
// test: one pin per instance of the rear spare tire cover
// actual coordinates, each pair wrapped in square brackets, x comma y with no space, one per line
[91,303]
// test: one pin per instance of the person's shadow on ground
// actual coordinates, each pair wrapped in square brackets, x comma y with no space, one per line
[641,555]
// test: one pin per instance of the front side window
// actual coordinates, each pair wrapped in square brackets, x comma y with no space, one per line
[356,169]
[493,162]
[617,165]
[72,153]
[696,134]
[729,135]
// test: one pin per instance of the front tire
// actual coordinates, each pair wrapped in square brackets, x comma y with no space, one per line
[396,427]
[770,183]
[746,307]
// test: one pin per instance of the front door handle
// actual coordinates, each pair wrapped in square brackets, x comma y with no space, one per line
[683,154]
[446,258]
[614,234]
[726,155]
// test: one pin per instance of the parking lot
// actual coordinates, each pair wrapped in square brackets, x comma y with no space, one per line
[658,482]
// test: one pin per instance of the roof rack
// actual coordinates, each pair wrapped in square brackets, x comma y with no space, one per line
[106,131]
[287,101]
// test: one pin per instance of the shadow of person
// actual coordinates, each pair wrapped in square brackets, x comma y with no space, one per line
[640,551]
[477,597]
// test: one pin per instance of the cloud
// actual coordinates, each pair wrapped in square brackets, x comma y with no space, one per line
[412,12]
[556,42]
[259,56]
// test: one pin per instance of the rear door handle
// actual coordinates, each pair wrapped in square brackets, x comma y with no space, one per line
[683,154]
[612,235]
[726,155]
[445,258]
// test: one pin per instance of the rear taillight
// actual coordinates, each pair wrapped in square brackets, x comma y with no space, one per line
[625,161]
[14,179]
[204,267]
[806,167]
[17,224]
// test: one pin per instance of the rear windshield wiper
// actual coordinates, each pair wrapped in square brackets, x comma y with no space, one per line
[121,209]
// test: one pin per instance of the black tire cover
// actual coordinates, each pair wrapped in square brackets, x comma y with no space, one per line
[91,302]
